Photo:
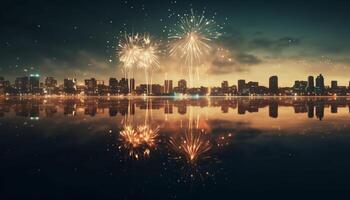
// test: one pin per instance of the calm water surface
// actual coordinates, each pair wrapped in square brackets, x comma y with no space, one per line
[165,148]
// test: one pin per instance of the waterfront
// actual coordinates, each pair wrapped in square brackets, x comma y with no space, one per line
[172,147]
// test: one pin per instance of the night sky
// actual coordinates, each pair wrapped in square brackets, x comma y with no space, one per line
[78,39]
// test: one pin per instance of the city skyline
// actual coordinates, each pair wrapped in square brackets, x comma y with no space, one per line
[312,86]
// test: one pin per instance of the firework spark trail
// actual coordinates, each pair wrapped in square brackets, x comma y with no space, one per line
[191,40]
[149,58]
[129,52]
[138,51]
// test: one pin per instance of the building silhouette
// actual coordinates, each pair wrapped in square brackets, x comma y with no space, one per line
[113,86]
[34,83]
[224,87]
[168,86]
[132,85]
[334,85]
[273,85]
[310,85]
[182,86]
[241,86]
[70,86]
[320,88]
[22,84]
[91,86]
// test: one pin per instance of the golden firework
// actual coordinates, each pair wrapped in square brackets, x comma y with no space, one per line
[129,50]
[138,140]
[191,39]
[192,145]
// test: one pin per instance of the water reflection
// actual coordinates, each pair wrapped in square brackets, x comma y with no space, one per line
[138,139]
[228,141]
[35,108]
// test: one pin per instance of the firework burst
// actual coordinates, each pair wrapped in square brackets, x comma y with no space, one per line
[149,58]
[149,53]
[191,39]
[141,52]
[129,51]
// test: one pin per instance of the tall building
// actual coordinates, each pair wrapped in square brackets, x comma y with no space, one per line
[310,85]
[70,86]
[273,85]
[334,85]
[253,87]
[34,83]
[168,86]
[224,87]
[300,87]
[50,82]
[124,86]
[320,88]
[102,89]
[91,86]
[241,86]
[50,85]
[132,85]
[22,84]
[2,85]
[113,86]
[182,85]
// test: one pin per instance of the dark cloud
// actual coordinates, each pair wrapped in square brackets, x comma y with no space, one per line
[248,59]
[273,45]
[242,63]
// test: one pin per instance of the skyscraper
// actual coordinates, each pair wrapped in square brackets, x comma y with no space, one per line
[34,83]
[310,85]
[300,87]
[22,84]
[224,87]
[50,82]
[182,85]
[273,85]
[168,86]
[70,86]
[320,85]
[132,85]
[113,86]
[124,86]
[241,86]
[50,85]
[91,86]
[334,85]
